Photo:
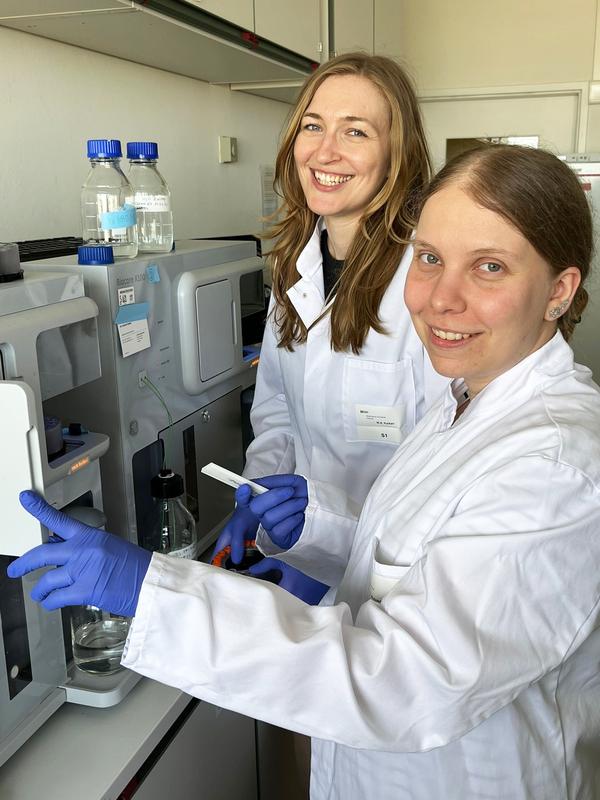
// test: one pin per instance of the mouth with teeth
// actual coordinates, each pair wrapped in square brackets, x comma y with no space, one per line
[330,178]
[449,338]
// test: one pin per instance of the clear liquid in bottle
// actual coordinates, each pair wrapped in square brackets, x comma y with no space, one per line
[152,198]
[108,214]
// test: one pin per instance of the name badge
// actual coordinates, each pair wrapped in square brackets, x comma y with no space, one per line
[378,423]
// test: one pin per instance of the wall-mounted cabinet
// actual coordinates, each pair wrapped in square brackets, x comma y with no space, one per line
[387,26]
[26,8]
[351,23]
[288,23]
[240,12]
[291,24]
[176,36]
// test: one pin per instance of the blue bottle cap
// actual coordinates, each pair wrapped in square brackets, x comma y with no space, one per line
[95,254]
[104,148]
[142,150]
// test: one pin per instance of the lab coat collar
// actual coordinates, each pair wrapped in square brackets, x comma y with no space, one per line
[310,261]
[307,295]
[525,378]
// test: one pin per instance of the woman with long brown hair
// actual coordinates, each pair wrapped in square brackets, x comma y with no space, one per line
[342,378]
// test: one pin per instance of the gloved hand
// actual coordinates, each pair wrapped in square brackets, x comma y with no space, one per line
[281,510]
[242,525]
[93,567]
[294,581]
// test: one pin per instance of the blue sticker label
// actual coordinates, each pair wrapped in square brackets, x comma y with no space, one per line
[152,273]
[132,312]
[123,218]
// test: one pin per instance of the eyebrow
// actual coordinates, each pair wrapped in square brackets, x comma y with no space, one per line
[481,251]
[348,118]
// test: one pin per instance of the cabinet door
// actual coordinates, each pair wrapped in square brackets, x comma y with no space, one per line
[290,24]
[352,25]
[387,28]
[212,757]
[216,329]
[240,12]
[27,8]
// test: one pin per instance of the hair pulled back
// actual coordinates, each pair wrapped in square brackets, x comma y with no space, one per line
[540,196]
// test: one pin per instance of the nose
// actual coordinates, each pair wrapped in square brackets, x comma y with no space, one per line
[447,295]
[328,150]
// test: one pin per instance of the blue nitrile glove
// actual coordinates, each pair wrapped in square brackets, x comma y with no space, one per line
[242,525]
[93,567]
[281,510]
[292,580]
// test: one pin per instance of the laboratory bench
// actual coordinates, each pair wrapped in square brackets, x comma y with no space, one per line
[157,743]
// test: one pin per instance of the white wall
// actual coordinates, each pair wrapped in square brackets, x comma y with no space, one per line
[554,119]
[54,97]
[498,69]
[475,43]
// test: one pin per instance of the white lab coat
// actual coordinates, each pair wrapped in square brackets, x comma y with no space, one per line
[476,674]
[338,417]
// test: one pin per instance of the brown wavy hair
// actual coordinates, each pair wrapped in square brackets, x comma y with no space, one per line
[541,196]
[385,227]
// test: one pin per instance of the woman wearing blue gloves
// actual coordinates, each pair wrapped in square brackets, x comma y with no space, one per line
[460,659]
[342,378]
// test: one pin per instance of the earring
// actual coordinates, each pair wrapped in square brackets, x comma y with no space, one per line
[558,311]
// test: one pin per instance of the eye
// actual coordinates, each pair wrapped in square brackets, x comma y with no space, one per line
[357,132]
[311,126]
[491,268]
[428,258]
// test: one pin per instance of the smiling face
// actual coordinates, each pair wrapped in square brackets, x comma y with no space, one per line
[478,292]
[342,149]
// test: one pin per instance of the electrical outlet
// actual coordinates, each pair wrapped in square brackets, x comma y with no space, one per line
[142,377]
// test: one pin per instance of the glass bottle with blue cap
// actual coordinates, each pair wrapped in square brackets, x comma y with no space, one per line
[152,198]
[107,206]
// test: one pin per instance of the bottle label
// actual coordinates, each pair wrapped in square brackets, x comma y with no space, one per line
[191,552]
[118,221]
[151,202]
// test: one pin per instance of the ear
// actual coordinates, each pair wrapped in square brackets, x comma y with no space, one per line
[563,291]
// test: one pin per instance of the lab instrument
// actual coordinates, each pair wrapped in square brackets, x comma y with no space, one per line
[175,323]
[48,348]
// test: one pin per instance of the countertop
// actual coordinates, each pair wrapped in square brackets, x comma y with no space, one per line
[92,753]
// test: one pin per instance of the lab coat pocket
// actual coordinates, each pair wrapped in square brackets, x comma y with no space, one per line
[378,400]
[384,576]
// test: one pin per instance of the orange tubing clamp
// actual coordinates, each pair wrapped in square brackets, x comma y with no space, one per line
[221,557]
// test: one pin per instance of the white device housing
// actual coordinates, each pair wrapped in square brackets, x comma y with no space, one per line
[195,299]
[48,348]
[48,345]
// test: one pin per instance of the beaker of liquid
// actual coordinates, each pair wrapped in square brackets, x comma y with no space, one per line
[98,639]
